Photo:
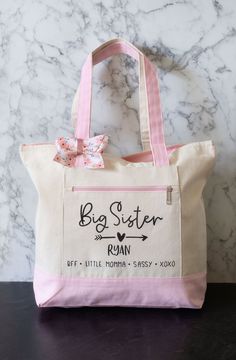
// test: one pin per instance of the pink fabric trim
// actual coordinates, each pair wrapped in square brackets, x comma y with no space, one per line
[157,139]
[155,116]
[146,156]
[113,49]
[185,292]
[82,128]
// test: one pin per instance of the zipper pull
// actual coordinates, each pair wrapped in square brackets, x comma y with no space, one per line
[169,190]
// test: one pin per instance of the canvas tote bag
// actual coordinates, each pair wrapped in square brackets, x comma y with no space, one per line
[114,231]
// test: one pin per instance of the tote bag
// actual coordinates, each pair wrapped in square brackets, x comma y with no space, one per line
[114,231]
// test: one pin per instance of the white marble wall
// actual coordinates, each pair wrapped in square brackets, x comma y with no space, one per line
[42,47]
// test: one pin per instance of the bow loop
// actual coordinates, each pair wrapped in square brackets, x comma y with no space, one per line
[87,153]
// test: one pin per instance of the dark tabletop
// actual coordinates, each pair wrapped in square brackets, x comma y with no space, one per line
[29,333]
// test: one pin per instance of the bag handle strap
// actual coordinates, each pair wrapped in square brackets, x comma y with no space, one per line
[143,108]
[156,132]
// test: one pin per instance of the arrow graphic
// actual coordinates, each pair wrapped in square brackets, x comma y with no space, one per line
[143,237]
[100,237]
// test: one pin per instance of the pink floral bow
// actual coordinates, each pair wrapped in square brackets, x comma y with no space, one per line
[74,152]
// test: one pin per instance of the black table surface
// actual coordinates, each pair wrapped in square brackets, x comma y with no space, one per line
[28,333]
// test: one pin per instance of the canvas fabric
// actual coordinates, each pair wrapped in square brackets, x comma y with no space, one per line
[132,233]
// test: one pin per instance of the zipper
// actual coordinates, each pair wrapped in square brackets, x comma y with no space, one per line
[169,190]
[145,188]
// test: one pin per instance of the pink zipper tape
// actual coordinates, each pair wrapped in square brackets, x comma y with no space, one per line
[120,188]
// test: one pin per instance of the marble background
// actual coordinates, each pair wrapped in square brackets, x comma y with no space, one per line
[42,47]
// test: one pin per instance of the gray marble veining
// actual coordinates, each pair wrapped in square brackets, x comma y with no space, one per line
[42,47]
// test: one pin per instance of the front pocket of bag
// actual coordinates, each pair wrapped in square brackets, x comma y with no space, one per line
[122,231]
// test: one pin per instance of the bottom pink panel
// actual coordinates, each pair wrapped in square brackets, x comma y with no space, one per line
[185,292]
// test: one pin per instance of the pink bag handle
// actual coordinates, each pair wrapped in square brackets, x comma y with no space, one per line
[156,132]
[143,108]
